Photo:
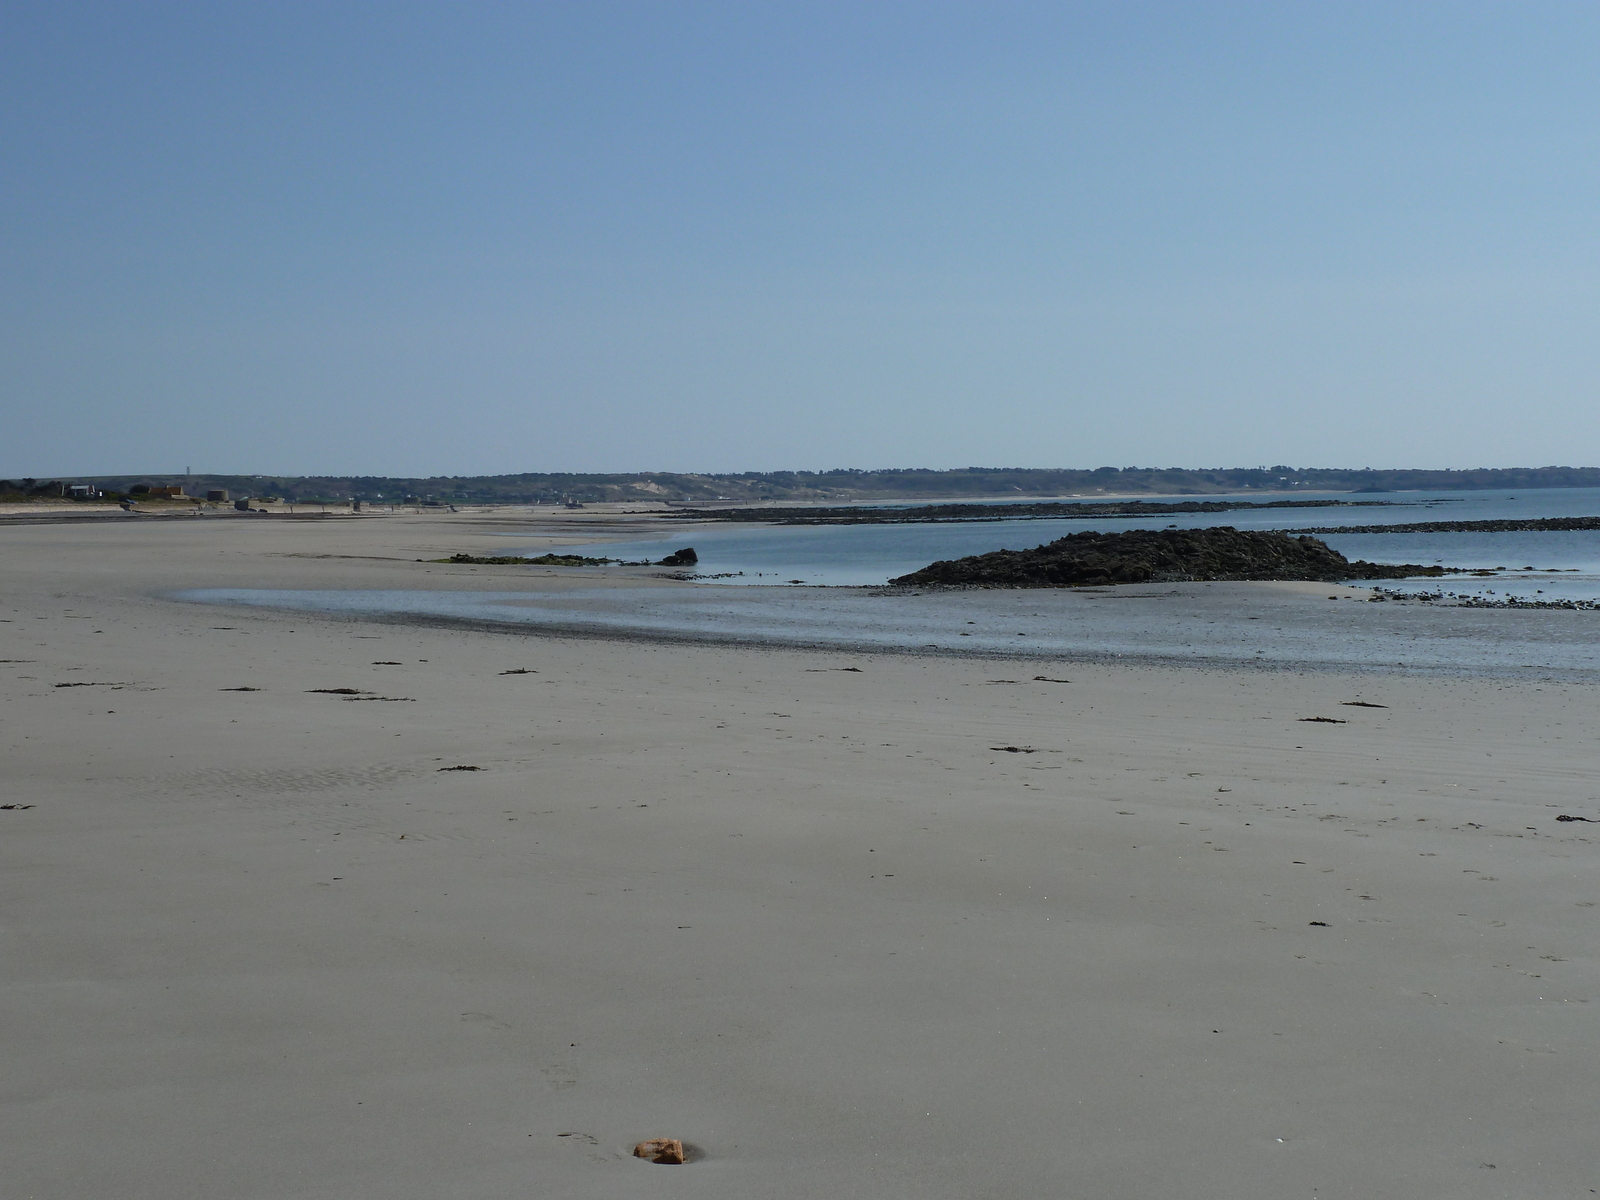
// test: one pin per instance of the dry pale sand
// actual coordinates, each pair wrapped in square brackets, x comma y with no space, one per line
[793,908]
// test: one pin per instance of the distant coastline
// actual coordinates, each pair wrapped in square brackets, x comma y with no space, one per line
[835,486]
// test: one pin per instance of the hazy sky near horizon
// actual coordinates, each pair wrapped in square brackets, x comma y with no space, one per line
[461,238]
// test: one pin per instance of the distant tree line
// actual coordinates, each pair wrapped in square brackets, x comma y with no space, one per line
[31,489]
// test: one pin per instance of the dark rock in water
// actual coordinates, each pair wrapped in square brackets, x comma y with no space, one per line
[680,558]
[1159,556]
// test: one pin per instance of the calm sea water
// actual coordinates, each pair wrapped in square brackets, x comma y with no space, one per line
[1566,565]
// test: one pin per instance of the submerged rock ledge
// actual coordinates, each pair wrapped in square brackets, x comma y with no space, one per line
[1034,510]
[1158,556]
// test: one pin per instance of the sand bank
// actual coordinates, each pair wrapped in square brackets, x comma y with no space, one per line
[857,925]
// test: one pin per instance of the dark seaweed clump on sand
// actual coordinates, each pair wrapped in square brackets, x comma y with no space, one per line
[518,560]
[1158,556]
[678,558]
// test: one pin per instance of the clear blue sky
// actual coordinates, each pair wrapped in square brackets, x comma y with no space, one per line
[416,238]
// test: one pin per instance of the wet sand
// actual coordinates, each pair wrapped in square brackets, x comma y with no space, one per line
[1273,625]
[855,924]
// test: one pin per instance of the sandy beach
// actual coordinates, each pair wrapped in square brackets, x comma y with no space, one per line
[852,924]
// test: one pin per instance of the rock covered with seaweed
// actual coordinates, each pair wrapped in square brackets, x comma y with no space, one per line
[1159,555]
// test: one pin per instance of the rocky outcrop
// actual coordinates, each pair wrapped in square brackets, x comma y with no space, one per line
[680,558]
[1164,555]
